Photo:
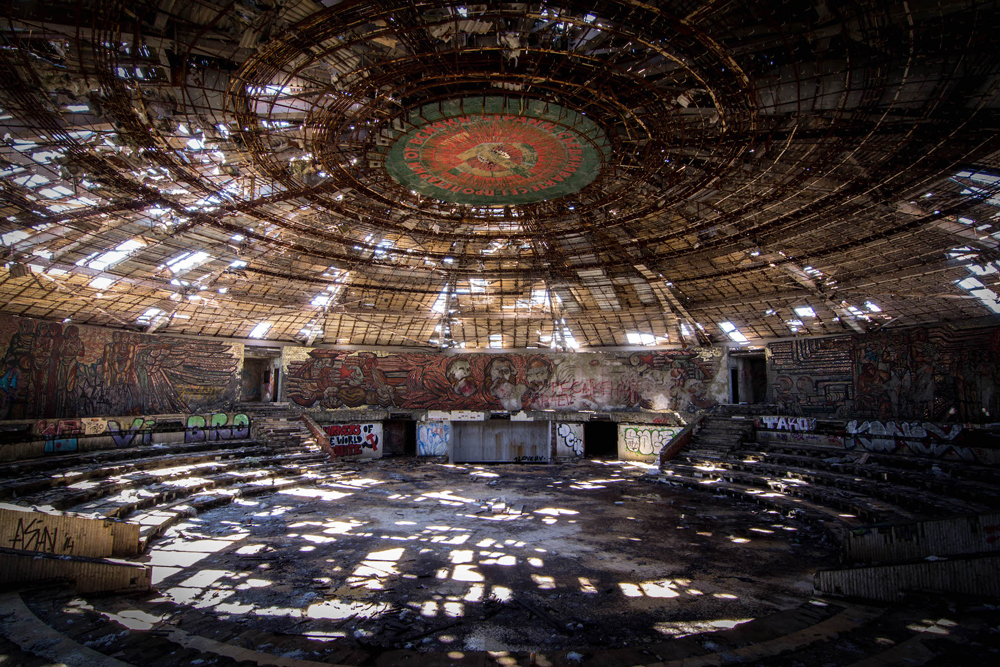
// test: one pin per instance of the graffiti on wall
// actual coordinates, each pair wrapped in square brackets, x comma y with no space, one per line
[777,423]
[60,435]
[355,439]
[683,380]
[432,438]
[642,442]
[63,435]
[569,439]
[811,377]
[916,438]
[53,370]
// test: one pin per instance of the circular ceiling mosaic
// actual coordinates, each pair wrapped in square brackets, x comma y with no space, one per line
[495,151]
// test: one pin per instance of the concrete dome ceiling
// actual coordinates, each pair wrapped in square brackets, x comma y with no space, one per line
[555,174]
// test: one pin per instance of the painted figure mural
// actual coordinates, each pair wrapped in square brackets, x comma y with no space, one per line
[681,380]
[55,370]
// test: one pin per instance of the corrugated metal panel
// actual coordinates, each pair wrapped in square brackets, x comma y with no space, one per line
[944,537]
[88,575]
[500,441]
[972,576]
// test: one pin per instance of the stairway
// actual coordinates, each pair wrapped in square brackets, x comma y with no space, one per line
[718,436]
[278,426]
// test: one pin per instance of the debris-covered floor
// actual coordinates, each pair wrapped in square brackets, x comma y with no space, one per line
[406,554]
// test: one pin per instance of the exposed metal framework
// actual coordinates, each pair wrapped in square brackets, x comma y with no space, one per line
[771,169]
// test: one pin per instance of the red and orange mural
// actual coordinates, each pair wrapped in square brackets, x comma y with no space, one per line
[678,380]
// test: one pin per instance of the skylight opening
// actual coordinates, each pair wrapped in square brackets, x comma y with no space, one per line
[10,238]
[805,311]
[237,264]
[734,334]
[102,282]
[187,261]
[31,180]
[260,330]
[496,340]
[148,316]
[119,254]
[639,338]
[322,299]
[872,307]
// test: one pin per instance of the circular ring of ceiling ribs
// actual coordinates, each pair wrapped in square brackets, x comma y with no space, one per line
[734,142]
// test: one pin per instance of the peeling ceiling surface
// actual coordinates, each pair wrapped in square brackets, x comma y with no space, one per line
[554,175]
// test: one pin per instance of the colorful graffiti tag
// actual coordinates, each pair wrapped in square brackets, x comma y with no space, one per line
[51,370]
[677,379]
[640,442]
[219,426]
[433,438]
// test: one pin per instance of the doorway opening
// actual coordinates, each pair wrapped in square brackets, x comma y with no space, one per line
[747,378]
[255,381]
[600,439]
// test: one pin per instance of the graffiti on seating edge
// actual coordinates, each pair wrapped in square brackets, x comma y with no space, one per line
[63,435]
[916,438]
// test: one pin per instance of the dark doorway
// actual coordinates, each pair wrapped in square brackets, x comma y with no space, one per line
[600,439]
[758,379]
[399,437]
[747,377]
[254,379]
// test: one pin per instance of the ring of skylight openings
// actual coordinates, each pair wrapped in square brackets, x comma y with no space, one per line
[496,151]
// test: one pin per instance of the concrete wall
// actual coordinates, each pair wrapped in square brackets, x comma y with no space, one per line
[54,370]
[681,380]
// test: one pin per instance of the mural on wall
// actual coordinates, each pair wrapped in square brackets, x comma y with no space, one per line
[569,439]
[54,370]
[811,377]
[682,380]
[938,373]
[928,373]
[643,442]
[432,438]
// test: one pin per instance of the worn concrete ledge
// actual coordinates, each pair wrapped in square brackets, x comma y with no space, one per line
[22,627]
